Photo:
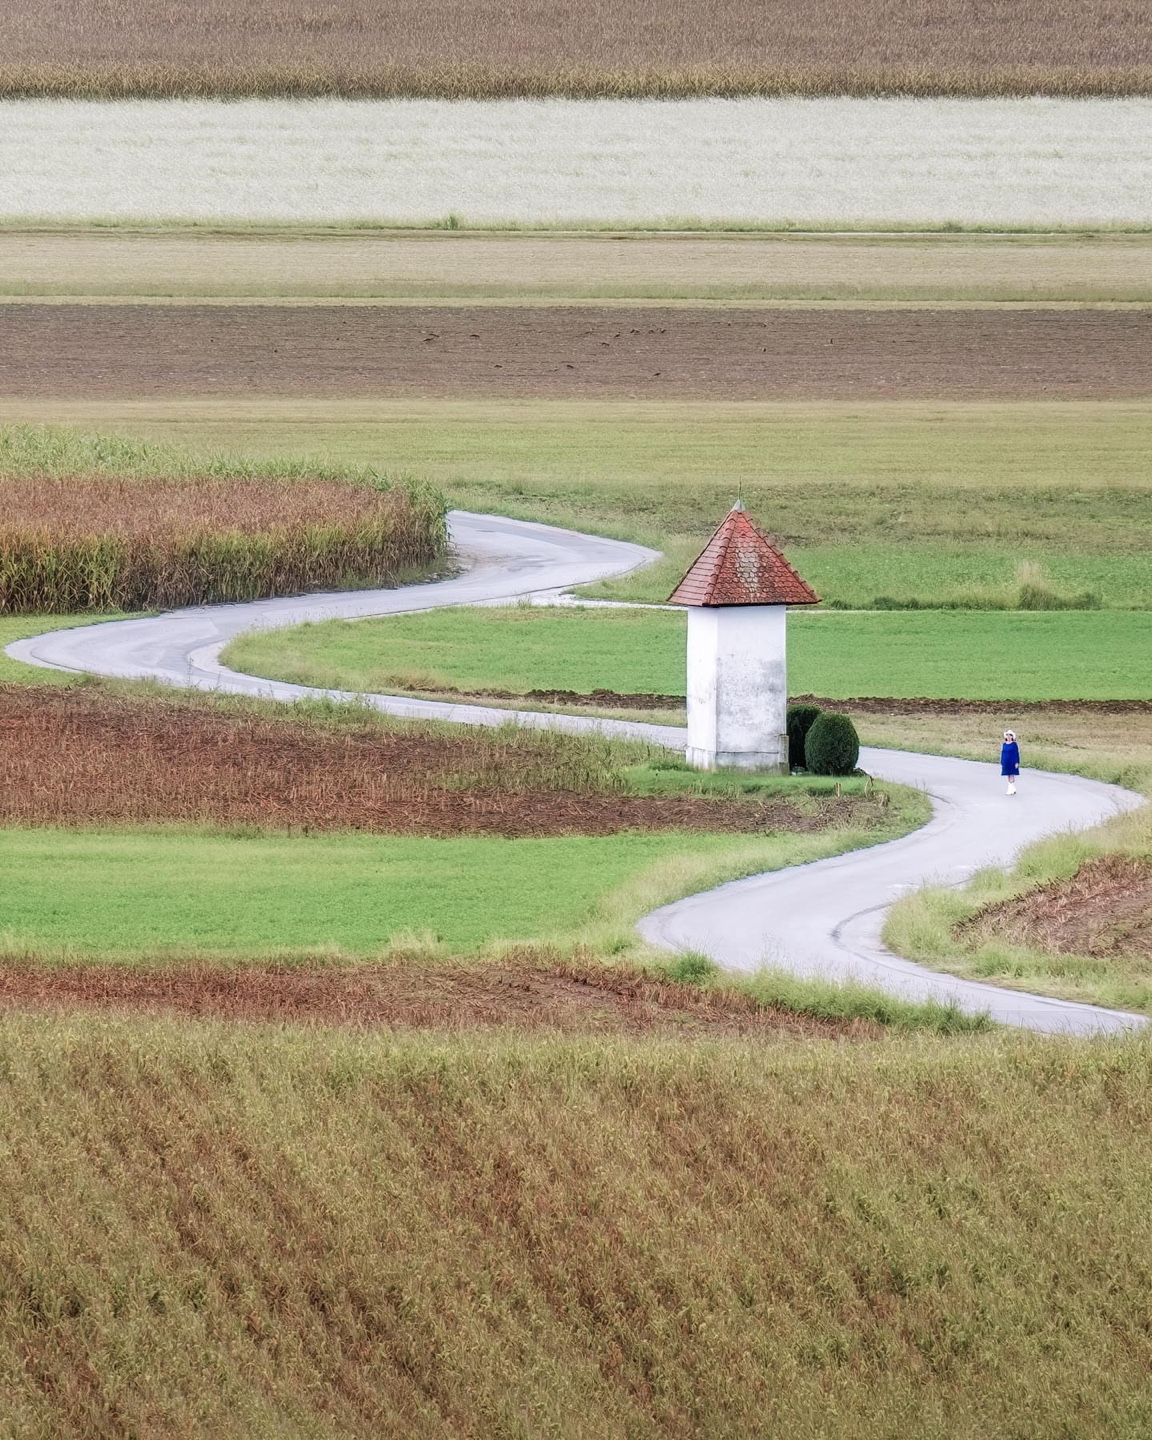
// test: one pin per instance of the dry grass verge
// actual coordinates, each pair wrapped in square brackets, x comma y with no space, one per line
[456,49]
[526,992]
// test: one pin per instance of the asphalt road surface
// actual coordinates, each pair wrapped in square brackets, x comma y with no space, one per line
[822,919]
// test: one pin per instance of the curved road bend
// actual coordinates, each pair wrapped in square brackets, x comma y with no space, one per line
[822,919]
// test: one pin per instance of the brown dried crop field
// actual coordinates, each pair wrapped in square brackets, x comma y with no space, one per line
[484,48]
[75,543]
[1104,911]
[93,351]
[63,762]
[526,992]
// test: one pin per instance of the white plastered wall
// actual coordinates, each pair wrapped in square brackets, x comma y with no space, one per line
[737,687]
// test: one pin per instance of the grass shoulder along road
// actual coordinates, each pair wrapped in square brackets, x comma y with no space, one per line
[513,650]
[368,1236]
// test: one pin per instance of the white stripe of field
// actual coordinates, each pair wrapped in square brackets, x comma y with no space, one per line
[830,161]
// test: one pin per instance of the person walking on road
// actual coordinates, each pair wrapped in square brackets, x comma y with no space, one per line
[1010,760]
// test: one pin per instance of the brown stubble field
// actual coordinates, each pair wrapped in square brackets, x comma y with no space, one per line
[483,48]
[525,991]
[454,266]
[68,351]
[200,762]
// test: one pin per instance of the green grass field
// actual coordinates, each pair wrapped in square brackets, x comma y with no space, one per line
[147,892]
[943,654]
[929,501]
[249,1233]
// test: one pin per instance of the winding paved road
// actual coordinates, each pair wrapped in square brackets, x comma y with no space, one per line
[822,919]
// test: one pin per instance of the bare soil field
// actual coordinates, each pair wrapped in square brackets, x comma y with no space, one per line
[638,47]
[1104,910]
[63,762]
[1086,710]
[463,266]
[525,993]
[69,351]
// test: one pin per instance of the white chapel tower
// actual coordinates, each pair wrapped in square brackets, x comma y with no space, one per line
[737,592]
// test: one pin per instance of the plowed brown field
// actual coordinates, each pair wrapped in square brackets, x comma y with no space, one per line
[1104,910]
[567,351]
[82,756]
[526,993]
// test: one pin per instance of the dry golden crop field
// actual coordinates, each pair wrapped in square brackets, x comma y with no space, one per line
[446,265]
[456,48]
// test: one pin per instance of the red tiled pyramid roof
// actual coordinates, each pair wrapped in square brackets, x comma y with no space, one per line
[741,566]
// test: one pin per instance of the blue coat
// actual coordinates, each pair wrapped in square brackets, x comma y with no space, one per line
[1010,758]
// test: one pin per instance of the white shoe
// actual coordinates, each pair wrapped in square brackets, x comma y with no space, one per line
[1011,788]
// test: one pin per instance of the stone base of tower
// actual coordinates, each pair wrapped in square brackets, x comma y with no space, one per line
[769,762]
[737,688]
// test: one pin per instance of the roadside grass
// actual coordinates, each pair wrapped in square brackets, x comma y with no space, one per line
[1089,655]
[137,892]
[258,1232]
[912,500]
[1103,744]
[827,999]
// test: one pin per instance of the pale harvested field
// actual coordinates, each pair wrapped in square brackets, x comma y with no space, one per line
[67,350]
[425,265]
[1029,162]
[490,47]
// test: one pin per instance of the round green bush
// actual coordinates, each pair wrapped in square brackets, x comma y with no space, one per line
[832,746]
[799,722]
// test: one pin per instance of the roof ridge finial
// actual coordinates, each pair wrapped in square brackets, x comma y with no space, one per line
[739,508]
